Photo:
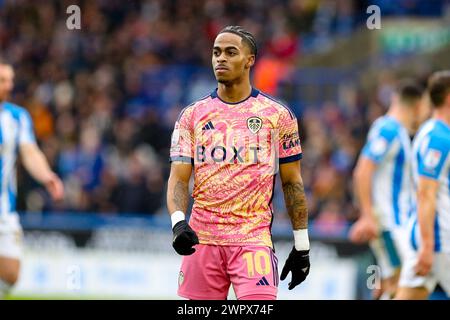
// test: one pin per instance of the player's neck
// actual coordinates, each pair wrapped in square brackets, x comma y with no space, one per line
[405,118]
[442,115]
[234,92]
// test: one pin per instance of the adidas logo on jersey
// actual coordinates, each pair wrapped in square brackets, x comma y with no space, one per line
[208,126]
[262,282]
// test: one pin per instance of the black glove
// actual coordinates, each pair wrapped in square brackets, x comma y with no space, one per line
[298,264]
[184,238]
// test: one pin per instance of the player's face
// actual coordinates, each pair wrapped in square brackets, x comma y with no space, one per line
[231,58]
[422,111]
[6,81]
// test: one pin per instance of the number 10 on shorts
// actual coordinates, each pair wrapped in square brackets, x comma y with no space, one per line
[258,261]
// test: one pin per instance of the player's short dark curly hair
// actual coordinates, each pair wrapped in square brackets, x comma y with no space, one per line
[246,36]
[439,87]
[410,90]
[5,62]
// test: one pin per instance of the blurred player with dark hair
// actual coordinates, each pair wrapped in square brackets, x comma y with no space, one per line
[382,182]
[428,260]
[16,137]
[234,139]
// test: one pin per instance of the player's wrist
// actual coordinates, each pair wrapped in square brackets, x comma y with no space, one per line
[301,239]
[367,213]
[47,178]
[176,217]
[427,244]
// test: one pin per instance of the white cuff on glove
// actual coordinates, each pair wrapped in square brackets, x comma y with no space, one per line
[301,239]
[176,217]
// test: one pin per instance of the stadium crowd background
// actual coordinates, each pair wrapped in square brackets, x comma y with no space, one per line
[104,98]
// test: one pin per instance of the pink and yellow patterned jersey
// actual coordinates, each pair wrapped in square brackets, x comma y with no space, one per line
[235,150]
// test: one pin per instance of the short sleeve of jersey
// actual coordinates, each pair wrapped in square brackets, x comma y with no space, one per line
[378,143]
[289,140]
[432,157]
[26,133]
[182,141]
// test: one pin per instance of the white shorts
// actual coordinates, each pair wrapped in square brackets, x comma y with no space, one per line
[389,250]
[440,272]
[11,236]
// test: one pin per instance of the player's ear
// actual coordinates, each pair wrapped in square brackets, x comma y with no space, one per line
[250,61]
[447,99]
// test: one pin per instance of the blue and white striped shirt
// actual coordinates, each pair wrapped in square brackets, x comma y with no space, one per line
[389,146]
[431,159]
[15,129]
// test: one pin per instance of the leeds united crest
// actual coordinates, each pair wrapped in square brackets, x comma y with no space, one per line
[254,124]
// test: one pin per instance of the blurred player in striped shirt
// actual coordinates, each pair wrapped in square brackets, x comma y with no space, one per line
[382,182]
[16,137]
[427,261]
[235,140]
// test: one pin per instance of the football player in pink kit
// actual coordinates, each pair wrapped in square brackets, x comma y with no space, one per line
[236,139]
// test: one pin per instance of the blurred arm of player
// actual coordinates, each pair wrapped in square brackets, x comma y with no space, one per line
[295,198]
[35,163]
[426,211]
[184,238]
[365,229]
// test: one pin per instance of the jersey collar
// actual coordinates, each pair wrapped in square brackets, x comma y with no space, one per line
[254,94]
[442,123]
